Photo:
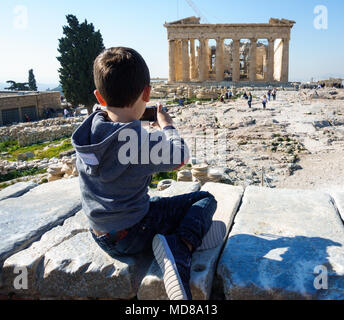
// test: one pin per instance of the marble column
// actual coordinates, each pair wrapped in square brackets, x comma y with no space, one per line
[236,60]
[185,60]
[271,60]
[180,63]
[285,61]
[172,67]
[207,59]
[192,60]
[203,65]
[253,60]
[219,62]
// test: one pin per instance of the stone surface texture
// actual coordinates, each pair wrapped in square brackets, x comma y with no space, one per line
[17,190]
[279,239]
[25,219]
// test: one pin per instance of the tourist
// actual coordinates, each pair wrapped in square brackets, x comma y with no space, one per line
[274,94]
[245,96]
[249,100]
[27,118]
[124,221]
[269,95]
[222,99]
[264,102]
[65,113]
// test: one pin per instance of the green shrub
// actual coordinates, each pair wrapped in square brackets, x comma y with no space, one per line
[157,177]
[14,174]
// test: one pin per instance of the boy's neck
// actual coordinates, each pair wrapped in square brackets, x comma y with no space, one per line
[123,115]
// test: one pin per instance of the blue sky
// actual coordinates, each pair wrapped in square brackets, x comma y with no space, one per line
[139,24]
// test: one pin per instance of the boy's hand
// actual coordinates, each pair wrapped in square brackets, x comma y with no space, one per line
[163,118]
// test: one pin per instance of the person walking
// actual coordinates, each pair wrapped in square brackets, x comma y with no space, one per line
[269,95]
[264,102]
[274,94]
[249,101]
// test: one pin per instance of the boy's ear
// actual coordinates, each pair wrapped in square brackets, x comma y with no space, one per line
[146,93]
[100,99]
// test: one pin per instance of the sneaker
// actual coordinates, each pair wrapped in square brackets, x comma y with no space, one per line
[174,259]
[214,237]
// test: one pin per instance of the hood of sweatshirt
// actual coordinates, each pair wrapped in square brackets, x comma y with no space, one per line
[96,142]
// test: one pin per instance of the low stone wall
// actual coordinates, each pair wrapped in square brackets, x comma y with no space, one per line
[279,244]
[40,131]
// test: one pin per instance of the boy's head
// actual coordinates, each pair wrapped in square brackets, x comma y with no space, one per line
[121,76]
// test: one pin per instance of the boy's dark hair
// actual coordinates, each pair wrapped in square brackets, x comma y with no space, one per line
[120,75]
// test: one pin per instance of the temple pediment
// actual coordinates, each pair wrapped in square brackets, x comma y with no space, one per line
[189,20]
[281,21]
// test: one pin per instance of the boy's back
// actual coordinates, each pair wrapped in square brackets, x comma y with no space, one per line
[114,184]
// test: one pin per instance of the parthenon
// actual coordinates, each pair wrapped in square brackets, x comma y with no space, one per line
[243,52]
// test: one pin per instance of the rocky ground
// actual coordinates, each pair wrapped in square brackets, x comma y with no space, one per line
[297,142]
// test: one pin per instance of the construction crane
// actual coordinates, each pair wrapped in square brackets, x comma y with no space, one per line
[198,12]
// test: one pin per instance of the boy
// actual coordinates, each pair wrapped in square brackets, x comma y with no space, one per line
[116,158]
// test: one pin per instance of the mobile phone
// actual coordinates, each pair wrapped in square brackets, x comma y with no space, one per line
[150,114]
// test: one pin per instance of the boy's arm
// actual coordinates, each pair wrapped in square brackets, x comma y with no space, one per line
[167,150]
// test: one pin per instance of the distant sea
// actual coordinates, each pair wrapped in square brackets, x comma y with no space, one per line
[41,86]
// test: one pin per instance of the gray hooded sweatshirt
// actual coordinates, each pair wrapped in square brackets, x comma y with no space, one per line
[116,162]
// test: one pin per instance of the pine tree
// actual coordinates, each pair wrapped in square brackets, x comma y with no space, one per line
[32,81]
[79,47]
[17,86]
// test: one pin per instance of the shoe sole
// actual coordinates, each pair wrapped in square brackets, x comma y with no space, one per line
[214,237]
[163,255]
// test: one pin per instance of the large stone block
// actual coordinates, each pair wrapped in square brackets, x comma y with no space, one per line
[338,197]
[17,190]
[176,188]
[281,241]
[25,219]
[67,263]
[203,262]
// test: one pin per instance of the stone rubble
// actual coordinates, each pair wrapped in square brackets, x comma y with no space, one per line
[63,168]
[46,130]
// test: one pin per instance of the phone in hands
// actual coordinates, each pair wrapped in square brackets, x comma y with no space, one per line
[150,113]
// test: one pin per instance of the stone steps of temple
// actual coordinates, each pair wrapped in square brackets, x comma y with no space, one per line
[280,244]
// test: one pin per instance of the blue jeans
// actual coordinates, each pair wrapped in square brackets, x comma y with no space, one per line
[188,215]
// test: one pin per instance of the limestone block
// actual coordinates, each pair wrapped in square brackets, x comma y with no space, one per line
[338,197]
[67,169]
[25,219]
[279,239]
[55,169]
[176,189]
[17,190]
[184,175]
[67,262]
[164,184]
[203,262]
